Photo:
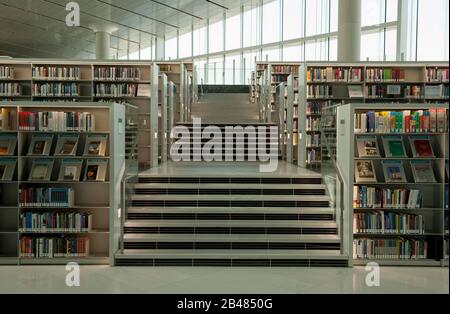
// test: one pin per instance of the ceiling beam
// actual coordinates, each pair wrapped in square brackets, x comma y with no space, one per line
[219,5]
[138,14]
[176,9]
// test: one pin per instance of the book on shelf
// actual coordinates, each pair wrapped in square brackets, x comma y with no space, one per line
[287,69]
[115,90]
[421,146]
[413,91]
[385,75]
[422,171]
[8,143]
[313,155]
[387,222]
[393,146]
[313,139]
[54,247]
[41,170]
[446,197]
[7,168]
[313,107]
[96,145]
[441,120]
[113,73]
[6,72]
[437,75]
[446,170]
[55,221]
[367,146]
[7,118]
[96,170]
[67,145]
[393,171]
[400,248]
[10,89]
[406,121]
[334,74]
[56,121]
[320,91]
[46,197]
[56,89]
[355,91]
[40,145]
[377,197]
[56,72]
[70,170]
[365,171]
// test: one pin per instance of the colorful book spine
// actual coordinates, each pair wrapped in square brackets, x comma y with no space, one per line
[374,197]
[405,249]
[56,73]
[57,121]
[117,73]
[54,247]
[384,222]
[46,197]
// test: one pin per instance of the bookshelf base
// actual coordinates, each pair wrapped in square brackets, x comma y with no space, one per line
[393,262]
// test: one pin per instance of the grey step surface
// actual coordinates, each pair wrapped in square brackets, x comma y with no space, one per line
[188,197]
[228,186]
[231,223]
[232,210]
[232,254]
[273,238]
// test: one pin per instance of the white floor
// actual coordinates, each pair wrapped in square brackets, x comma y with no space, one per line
[179,280]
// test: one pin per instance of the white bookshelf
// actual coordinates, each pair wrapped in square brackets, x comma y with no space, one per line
[432,211]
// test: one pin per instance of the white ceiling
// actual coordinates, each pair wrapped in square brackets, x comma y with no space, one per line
[36,28]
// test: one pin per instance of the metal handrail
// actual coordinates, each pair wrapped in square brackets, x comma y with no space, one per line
[124,212]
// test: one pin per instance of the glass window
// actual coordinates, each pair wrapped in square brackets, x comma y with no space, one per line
[333,49]
[271,54]
[251,34]
[391,10]
[249,63]
[200,41]
[334,10]
[233,32]
[292,19]
[185,43]
[292,53]
[271,22]
[215,71]
[171,49]
[317,17]
[232,74]
[201,70]
[432,38]
[390,49]
[372,12]
[316,50]
[372,46]
[216,37]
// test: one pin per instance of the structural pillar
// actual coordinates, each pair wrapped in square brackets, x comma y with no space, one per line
[159,48]
[102,47]
[349,31]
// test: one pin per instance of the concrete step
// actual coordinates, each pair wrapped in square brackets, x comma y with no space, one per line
[188,197]
[229,186]
[231,210]
[231,223]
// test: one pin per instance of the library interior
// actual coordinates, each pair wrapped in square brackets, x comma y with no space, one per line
[226,146]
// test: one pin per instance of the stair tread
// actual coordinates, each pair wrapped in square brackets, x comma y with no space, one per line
[314,238]
[237,210]
[231,254]
[231,223]
[287,186]
[174,197]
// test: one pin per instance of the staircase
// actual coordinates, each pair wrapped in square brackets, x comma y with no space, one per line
[240,218]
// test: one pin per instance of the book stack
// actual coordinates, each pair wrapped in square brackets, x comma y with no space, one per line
[385,75]
[407,121]
[288,69]
[312,124]
[7,118]
[405,249]
[56,73]
[337,74]
[116,90]
[314,107]
[56,89]
[319,91]
[46,197]
[313,155]
[55,221]
[10,89]
[413,91]
[382,222]
[376,197]
[437,75]
[56,121]
[53,247]
[6,73]
[109,73]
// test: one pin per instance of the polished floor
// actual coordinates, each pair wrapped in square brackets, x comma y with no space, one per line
[225,108]
[187,280]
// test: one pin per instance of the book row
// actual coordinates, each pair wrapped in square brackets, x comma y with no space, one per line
[394,146]
[313,155]
[7,118]
[116,90]
[278,78]
[56,89]
[56,73]
[408,91]
[381,222]
[437,75]
[376,197]
[313,139]
[10,89]
[54,247]
[314,107]
[313,124]
[330,74]
[407,121]
[285,69]
[56,121]
[117,73]
[385,75]
[319,91]
[46,197]
[55,221]
[406,249]
[394,172]
[6,72]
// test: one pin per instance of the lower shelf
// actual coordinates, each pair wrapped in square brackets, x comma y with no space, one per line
[398,262]
[91,260]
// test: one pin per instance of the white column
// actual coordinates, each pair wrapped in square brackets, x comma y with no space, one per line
[102,47]
[160,48]
[349,31]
